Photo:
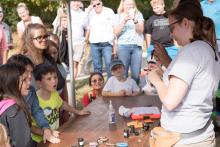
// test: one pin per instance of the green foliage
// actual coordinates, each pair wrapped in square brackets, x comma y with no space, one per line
[46,9]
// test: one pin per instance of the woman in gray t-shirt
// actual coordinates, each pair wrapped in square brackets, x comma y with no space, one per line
[191,79]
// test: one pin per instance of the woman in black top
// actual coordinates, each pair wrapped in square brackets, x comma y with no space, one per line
[35,44]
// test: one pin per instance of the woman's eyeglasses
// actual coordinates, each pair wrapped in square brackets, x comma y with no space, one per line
[95,5]
[41,38]
[171,26]
[97,80]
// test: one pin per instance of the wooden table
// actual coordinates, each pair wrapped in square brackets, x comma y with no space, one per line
[95,125]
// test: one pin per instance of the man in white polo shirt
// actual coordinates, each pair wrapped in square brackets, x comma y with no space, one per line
[101,21]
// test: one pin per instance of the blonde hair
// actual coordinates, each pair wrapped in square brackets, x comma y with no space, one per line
[3,135]
[27,46]
[63,15]
[156,2]
[61,11]
[121,9]
[22,5]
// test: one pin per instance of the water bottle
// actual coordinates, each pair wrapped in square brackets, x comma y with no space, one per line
[111,114]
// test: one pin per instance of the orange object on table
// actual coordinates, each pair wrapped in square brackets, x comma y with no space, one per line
[145,116]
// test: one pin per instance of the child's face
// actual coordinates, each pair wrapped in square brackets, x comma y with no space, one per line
[55,40]
[97,82]
[158,9]
[53,53]
[118,71]
[49,82]
[24,84]
[63,22]
[74,5]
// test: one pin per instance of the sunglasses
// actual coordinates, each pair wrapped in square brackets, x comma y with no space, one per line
[41,38]
[171,26]
[94,6]
[1,11]
[97,80]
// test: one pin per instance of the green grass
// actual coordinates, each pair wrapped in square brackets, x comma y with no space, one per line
[81,87]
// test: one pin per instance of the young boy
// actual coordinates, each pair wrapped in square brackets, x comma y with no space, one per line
[118,84]
[157,30]
[49,99]
[32,100]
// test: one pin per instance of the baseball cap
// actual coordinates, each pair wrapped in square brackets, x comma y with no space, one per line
[115,62]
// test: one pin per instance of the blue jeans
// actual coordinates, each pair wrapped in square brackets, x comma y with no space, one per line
[100,50]
[131,57]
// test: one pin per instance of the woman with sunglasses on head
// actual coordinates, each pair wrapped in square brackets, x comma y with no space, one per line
[35,46]
[129,31]
[187,87]
[96,83]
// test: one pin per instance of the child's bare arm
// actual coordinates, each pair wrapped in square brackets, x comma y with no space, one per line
[132,93]
[37,131]
[71,109]
[51,136]
[109,93]
[148,40]
[48,134]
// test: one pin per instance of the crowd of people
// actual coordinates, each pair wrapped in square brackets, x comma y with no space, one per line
[182,51]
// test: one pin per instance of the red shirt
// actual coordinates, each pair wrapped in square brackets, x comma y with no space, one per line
[88,98]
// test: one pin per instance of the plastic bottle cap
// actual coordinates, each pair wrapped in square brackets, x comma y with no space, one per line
[122,144]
